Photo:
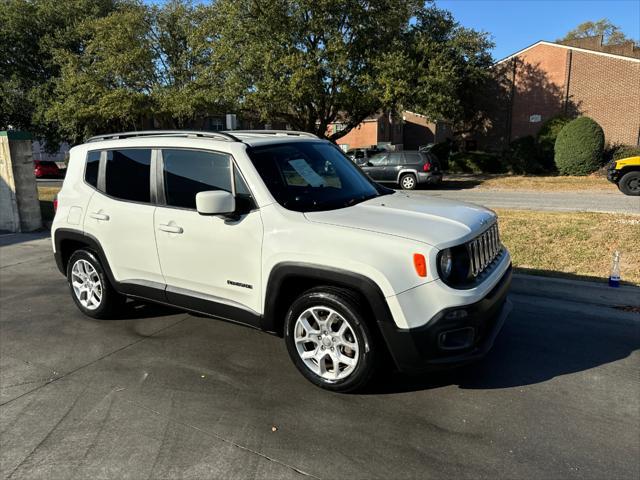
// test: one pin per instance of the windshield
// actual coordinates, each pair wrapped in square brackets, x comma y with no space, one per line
[311,176]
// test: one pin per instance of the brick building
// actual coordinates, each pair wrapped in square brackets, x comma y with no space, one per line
[407,131]
[580,77]
[379,129]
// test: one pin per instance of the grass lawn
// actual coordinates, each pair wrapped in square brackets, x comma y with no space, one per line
[572,244]
[46,196]
[548,183]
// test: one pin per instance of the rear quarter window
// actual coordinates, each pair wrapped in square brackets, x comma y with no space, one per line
[91,168]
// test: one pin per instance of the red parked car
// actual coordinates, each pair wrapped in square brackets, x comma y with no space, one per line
[46,169]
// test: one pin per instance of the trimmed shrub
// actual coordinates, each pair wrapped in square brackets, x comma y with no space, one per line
[625,151]
[546,139]
[579,147]
[475,162]
[523,156]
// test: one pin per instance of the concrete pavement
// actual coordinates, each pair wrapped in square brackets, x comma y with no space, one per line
[614,202]
[164,394]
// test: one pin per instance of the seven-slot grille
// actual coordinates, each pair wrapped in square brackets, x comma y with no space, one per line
[484,249]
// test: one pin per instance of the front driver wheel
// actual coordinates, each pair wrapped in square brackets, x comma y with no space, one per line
[629,184]
[328,339]
[408,181]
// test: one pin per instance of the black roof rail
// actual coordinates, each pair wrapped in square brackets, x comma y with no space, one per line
[165,133]
[293,133]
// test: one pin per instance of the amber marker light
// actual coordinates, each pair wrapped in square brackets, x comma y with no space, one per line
[420,264]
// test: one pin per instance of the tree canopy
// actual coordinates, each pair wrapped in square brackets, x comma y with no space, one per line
[612,35]
[121,64]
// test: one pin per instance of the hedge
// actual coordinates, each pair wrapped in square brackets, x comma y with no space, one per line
[579,147]
[546,139]
[626,151]
[523,156]
[475,162]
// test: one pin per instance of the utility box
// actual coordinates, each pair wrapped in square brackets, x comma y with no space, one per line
[232,121]
[19,205]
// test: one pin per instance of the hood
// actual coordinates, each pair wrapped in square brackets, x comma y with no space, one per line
[422,218]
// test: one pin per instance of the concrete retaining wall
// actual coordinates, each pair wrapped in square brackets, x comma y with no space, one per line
[19,205]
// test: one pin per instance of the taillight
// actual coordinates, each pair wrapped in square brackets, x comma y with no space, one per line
[426,167]
[55,204]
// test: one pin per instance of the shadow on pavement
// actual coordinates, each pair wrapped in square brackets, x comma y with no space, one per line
[7,239]
[529,351]
[135,310]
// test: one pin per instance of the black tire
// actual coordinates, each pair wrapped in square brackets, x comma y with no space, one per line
[408,181]
[629,184]
[111,302]
[350,307]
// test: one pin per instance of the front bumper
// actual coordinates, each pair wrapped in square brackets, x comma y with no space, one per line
[451,338]
[613,175]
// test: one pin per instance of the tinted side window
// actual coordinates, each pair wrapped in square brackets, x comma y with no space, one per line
[412,158]
[127,174]
[379,159]
[91,170]
[188,172]
[395,158]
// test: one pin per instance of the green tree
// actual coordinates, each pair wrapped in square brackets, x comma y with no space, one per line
[139,67]
[611,33]
[315,62]
[30,33]
[447,65]
[308,62]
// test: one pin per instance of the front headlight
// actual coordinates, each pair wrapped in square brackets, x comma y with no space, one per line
[445,264]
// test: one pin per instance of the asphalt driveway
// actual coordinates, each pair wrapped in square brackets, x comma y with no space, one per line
[164,394]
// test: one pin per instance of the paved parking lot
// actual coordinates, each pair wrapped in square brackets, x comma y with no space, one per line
[163,394]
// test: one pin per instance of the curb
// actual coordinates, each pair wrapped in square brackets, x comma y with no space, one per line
[580,291]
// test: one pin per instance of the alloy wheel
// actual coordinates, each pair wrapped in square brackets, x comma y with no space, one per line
[326,343]
[408,182]
[86,284]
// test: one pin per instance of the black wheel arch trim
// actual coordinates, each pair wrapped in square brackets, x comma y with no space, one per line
[322,274]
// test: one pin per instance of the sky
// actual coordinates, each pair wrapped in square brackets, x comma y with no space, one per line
[516,24]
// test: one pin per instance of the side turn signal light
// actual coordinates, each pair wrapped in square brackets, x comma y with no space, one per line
[420,264]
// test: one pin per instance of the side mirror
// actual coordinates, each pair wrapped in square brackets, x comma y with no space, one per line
[215,202]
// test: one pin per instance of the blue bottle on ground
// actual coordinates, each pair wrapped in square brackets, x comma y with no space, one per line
[614,277]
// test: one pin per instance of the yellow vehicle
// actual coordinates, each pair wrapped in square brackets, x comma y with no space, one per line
[626,174]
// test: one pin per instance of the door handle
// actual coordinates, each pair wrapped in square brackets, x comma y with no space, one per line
[170,228]
[99,216]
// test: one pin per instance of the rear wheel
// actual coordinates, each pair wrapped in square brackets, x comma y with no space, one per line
[90,287]
[408,181]
[629,184]
[328,339]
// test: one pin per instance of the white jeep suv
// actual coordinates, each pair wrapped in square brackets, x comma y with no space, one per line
[278,230]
